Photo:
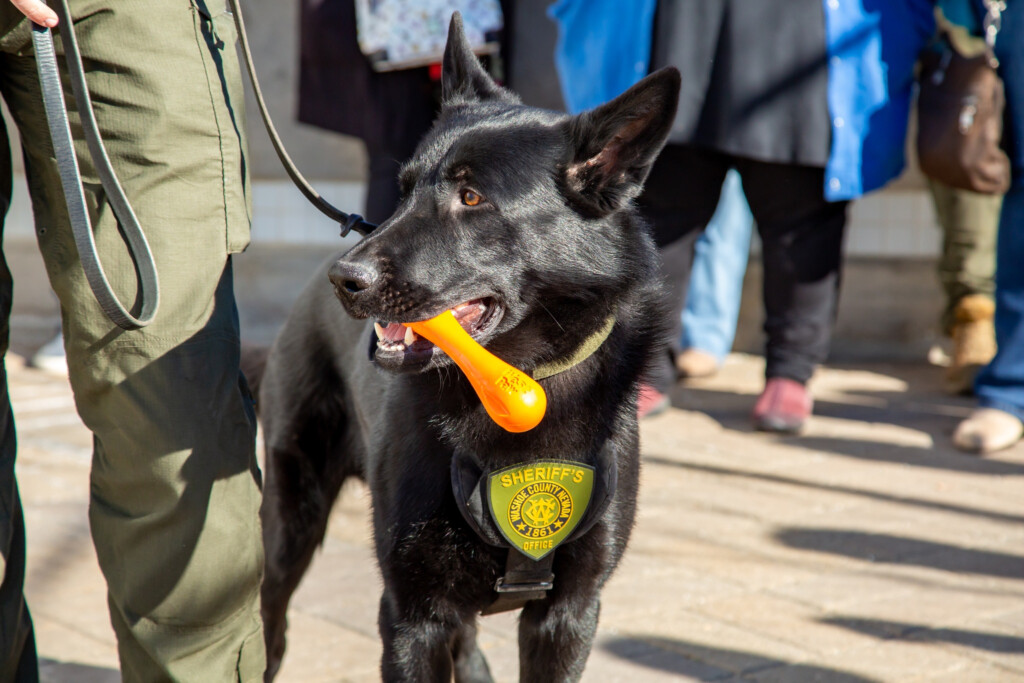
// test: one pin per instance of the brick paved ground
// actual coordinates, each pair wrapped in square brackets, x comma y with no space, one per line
[863,550]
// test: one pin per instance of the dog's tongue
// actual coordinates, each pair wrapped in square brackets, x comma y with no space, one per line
[394,332]
[469,313]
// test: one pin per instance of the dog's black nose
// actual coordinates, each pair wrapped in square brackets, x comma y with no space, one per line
[351,279]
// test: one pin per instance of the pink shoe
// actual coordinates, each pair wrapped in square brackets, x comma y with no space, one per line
[783,407]
[650,402]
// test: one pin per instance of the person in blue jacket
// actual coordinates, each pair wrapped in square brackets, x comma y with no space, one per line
[809,101]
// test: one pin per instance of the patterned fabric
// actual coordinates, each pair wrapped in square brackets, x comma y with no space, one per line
[399,34]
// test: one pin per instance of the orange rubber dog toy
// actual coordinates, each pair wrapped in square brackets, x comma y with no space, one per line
[512,398]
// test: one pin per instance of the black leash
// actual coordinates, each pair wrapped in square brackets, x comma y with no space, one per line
[348,222]
[71,180]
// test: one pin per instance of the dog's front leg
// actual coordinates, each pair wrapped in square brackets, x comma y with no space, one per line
[555,639]
[470,663]
[414,650]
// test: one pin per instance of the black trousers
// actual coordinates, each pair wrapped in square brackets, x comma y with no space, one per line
[802,238]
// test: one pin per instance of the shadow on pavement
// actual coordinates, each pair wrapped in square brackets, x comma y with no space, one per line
[709,663]
[846,490]
[889,549]
[990,642]
[936,415]
[51,671]
[933,458]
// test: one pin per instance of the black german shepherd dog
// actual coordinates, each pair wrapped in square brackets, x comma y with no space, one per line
[521,221]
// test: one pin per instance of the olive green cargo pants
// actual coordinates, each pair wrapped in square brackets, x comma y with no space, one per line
[967,265]
[174,484]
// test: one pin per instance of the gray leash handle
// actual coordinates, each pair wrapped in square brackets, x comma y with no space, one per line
[71,180]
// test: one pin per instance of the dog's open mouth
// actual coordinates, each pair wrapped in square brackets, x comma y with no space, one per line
[395,341]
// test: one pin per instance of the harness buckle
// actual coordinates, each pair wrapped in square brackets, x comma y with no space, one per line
[502,586]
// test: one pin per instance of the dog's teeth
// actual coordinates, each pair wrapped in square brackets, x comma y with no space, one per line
[379,329]
[410,336]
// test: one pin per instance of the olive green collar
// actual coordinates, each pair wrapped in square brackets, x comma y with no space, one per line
[583,352]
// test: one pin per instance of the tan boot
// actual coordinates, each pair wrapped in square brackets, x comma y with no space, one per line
[693,363]
[974,342]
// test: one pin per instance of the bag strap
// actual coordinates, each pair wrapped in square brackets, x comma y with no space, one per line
[348,222]
[71,180]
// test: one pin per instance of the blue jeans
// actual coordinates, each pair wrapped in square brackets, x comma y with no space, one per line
[1001,384]
[716,281]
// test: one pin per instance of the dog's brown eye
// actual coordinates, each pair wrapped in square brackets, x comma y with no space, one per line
[470,198]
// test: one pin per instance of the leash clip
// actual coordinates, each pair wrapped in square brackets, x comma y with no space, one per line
[352,221]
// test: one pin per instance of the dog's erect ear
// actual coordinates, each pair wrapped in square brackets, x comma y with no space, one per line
[462,77]
[616,143]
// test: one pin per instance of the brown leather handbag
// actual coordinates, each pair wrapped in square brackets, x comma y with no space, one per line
[960,113]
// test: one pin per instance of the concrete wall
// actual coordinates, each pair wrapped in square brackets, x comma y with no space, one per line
[273,35]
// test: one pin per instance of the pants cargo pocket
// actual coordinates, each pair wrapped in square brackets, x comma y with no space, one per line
[217,36]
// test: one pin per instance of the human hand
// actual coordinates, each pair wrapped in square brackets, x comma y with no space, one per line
[37,11]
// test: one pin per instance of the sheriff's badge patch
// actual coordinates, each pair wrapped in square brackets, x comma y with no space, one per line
[537,506]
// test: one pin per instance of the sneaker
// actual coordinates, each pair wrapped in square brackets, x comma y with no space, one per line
[650,402]
[50,357]
[784,406]
[693,363]
[987,430]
